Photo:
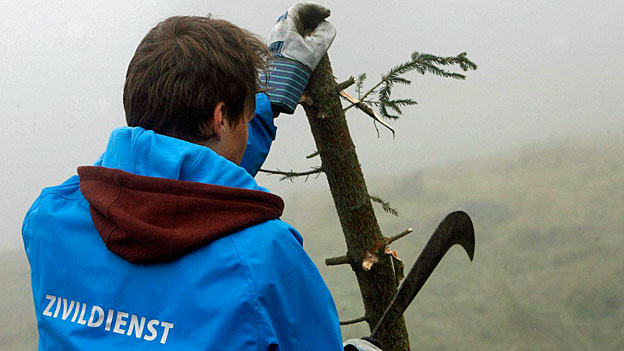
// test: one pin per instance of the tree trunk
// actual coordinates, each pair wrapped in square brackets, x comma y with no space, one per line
[355,211]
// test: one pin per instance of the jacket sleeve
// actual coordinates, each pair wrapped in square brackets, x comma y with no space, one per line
[295,309]
[262,132]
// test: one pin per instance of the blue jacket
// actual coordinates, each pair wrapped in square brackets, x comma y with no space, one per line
[251,288]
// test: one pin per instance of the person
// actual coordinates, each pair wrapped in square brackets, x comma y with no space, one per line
[167,242]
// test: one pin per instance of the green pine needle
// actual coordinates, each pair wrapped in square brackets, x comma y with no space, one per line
[420,62]
[385,205]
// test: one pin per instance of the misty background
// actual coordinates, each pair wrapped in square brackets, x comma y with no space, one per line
[549,74]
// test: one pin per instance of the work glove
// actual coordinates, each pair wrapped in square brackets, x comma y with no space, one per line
[364,344]
[297,42]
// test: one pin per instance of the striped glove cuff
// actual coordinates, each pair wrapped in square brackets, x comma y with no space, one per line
[286,82]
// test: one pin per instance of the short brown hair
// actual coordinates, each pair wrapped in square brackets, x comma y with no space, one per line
[184,67]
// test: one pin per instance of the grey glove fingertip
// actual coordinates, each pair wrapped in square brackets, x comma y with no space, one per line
[305,16]
[310,9]
[311,13]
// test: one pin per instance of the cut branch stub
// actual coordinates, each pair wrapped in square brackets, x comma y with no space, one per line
[335,261]
[313,155]
[369,260]
[394,238]
[344,85]
[353,321]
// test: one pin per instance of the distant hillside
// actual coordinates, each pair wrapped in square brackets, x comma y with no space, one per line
[548,271]
[18,331]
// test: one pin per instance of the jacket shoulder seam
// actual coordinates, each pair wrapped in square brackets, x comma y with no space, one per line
[44,193]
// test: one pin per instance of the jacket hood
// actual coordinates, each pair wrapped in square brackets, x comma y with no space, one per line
[151,220]
[154,198]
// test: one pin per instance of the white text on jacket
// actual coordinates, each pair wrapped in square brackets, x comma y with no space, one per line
[116,321]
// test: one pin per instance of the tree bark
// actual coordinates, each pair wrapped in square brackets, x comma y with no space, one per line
[364,239]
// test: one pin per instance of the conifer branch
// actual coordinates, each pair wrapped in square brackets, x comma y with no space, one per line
[335,261]
[291,174]
[314,154]
[419,62]
[390,240]
[363,98]
[372,90]
[366,109]
[353,321]
[344,85]
[385,205]
[377,129]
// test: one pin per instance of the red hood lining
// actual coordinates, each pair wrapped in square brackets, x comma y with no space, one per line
[151,220]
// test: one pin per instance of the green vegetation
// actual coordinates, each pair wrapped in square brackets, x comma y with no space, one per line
[548,271]
[18,331]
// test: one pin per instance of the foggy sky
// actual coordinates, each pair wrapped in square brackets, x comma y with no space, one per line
[546,69]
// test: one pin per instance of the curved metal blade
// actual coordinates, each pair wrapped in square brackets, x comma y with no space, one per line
[456,228]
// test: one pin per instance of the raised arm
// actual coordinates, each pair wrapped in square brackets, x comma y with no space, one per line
[297,42]
[261,135]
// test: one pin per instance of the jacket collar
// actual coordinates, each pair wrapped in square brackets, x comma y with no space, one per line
[144,152]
